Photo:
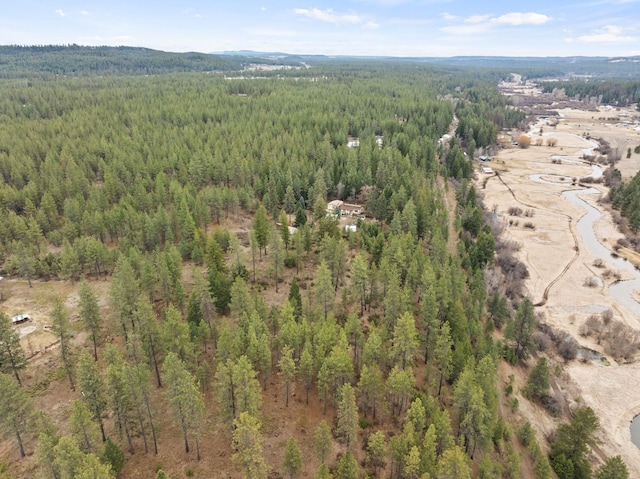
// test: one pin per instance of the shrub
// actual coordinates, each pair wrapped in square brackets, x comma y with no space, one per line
[526,434]
[114,456]
[568,348]
[542,340]
[552,405]
[514,211]
[524,141]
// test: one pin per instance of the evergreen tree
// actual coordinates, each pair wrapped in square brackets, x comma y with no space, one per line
[15,410]
[119,394]
[137,377]
[285,235]
[520,330]
[429,455]
[292,462]
[538,383]
[324,292]
[60,327]
[613,468]
[93,468]
[85,432]
[405,340]
[347,467]
[12,356]
[295,298]
[454,464]
[150,335]
[90,313]
[185,399]
[247,442]
[572,443]
[306,369]
[124,292]
[277,256]
[376,451]
[348,415]
[287,367]
[323,472]
[443,355]
[360,277]
[370,389]
[261,229]
[92,389]
[322,441]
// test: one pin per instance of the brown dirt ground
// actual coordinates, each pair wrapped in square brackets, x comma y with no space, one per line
[548,248]
[45,377]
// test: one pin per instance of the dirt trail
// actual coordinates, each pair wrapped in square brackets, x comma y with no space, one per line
[545,294]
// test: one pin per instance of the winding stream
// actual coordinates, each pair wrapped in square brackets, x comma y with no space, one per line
[620,291]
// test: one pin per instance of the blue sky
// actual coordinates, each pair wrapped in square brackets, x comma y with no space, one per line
[349,27]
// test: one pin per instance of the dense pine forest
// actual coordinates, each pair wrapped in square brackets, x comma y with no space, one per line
[613,92]
[47,61]
[233,295]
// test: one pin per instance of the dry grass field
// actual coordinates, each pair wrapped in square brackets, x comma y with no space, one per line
[561,264]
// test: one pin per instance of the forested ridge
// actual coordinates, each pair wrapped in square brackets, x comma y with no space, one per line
[74,60]
[148,183]
[610,92]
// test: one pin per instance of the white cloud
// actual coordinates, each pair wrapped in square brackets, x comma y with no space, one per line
[473,19]
[518,18]
[263,9]
[607,34]
[371,25]
[466,29]
[481,23]
[329,16]
[84,12]
[60,13]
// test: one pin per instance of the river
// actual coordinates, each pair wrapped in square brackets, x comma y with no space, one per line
[620,291]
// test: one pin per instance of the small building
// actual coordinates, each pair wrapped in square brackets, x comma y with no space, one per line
[21,318]
[334,207]
[340,208]
[350,210]
[353,142]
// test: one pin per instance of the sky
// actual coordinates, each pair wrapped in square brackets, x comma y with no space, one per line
[434,28]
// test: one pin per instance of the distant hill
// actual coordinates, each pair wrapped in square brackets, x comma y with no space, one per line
[75,60]
[602,67]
